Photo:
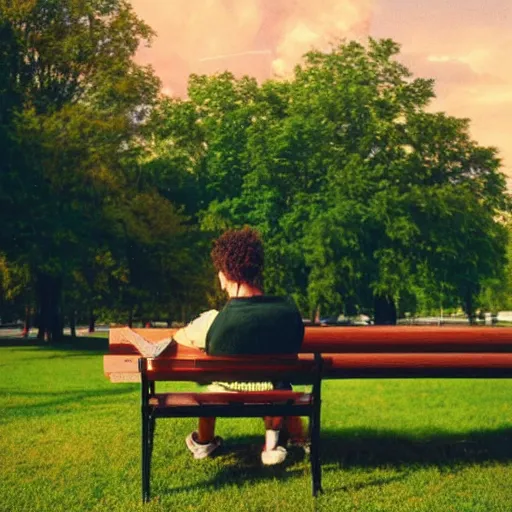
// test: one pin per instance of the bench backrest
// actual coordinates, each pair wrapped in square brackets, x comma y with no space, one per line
[247,369]
[391,351]
[371,339]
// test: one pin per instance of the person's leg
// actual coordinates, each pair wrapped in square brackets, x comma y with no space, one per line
[293,430]
[279,430]
[203,442]
[289,428]
[286,426]
[206,430]
[273,426]
[146,348]
[273,422]
[273,453]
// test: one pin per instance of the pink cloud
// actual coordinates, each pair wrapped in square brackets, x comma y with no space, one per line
[260,38]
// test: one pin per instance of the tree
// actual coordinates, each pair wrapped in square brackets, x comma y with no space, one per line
[75,106]
[361,195]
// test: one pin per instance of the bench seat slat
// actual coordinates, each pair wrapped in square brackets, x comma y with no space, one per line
[229,368]
[419,360]
[247,397]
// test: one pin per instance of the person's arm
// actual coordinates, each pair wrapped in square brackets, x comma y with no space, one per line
[194,333]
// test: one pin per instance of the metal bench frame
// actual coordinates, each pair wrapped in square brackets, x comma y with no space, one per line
[274,403]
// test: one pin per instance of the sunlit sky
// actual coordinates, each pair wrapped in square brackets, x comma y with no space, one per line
[465,45]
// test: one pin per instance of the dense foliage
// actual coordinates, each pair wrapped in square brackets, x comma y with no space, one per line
[367,201]
[364,198]
[77,213]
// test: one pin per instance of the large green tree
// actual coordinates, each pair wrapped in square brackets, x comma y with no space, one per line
[73,108]
[362,195]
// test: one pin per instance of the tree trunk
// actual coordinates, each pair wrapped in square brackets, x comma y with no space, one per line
[130,318]
[72,323]
[26,324]
[92,320]
[312,314]
[49,291]
[468,306]
[384,310]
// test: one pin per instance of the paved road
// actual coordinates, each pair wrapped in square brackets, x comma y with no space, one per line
[17,332]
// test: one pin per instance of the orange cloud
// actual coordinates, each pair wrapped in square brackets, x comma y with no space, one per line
[260,38]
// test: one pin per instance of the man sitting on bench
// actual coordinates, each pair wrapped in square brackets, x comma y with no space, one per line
[251,323]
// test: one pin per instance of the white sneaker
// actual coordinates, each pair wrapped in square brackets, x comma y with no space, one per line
[201,451]
[275,456]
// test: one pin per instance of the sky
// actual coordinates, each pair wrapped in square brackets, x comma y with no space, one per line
[465,45]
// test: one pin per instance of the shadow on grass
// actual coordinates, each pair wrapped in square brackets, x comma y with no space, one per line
[374,448]
[82,343]
[241,464]
[21,342]
[365,449]
[47,403]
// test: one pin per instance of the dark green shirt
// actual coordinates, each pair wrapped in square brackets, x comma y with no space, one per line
[256,325]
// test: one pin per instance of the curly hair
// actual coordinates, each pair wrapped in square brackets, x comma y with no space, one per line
[239,254]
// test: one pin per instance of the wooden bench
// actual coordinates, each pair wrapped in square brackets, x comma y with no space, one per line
[346,352]
[247,404]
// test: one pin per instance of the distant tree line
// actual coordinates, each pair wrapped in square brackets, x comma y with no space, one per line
[111,192]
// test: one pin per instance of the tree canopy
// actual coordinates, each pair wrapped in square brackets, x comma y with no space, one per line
[74,105]
[111,192]
[360,192]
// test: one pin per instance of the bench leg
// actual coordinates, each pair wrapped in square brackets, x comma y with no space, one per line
[148,432]
[151,428]
[146,455]
[151,432]
[148,429]
[316,469]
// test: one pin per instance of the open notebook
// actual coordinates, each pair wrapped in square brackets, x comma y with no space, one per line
[192,335]
[146,348]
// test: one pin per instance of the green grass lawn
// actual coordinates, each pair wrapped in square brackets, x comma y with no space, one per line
[69,440]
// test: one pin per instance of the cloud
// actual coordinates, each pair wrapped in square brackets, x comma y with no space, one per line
[462,91]
[454,70]
[464,45]
[260,38]
[239,54]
